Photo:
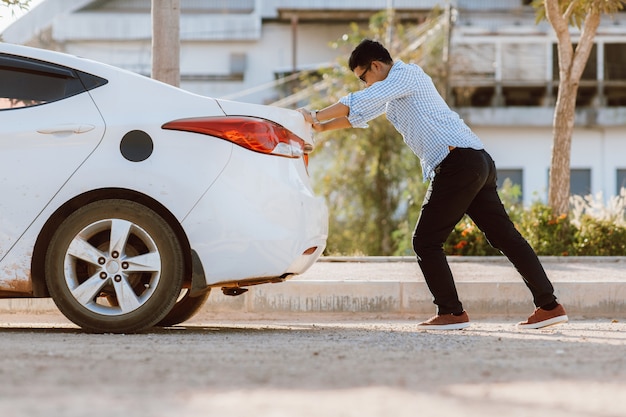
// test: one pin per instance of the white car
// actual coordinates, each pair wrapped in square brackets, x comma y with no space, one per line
[126,200]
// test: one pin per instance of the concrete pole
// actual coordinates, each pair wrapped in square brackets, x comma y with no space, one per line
[166,41]
[389,34]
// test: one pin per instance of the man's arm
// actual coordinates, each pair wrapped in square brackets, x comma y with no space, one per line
[332,117]
[333,124]
[335,111]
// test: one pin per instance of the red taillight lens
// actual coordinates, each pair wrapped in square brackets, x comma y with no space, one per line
[252,133]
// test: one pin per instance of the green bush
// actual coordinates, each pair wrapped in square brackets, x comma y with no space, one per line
[600,238]
[466,239]
[547,234]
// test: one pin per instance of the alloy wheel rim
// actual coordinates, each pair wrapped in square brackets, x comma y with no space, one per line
[112,267]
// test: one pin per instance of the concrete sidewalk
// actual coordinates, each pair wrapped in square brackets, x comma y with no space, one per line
[394,287]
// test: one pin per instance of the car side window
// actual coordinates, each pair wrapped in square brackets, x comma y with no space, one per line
[26,82]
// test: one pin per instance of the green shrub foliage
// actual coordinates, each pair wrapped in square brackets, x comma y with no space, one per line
[590,230]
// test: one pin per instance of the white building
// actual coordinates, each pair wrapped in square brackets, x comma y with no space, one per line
[503,72]
[505,75]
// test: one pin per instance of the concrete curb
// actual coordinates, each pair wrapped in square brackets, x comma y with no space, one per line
[589,287]
[474,259]
[582,299]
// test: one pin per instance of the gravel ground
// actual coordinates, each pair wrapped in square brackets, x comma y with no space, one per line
[306,367]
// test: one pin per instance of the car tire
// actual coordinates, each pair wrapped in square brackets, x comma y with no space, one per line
[185,308]
[114,266]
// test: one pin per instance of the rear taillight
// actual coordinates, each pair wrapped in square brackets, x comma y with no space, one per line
[255,134]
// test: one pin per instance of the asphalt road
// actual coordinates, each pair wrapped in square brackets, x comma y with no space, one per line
[297,368]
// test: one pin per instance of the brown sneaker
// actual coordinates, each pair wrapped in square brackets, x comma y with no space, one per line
[542,318]
[445,322]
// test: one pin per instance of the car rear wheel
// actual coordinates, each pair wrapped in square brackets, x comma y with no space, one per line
[185,308]
[114,266]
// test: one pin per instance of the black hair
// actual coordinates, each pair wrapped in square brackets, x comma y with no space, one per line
[366,52]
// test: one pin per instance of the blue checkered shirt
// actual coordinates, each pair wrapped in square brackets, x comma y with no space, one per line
[416,110]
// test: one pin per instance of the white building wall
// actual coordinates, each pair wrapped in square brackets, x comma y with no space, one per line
[614,157]
[587,153]
[528,149]
[272,54]
[131,55]
[266,55]
[602,150]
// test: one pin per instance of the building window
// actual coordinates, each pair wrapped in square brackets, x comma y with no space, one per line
[236,71]
[586,91]
[621,180]
[591,68]
[237,65]
[615,74]
[615,61]
[580,182]
[515,176]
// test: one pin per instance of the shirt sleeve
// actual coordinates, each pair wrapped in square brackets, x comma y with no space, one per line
[371,102]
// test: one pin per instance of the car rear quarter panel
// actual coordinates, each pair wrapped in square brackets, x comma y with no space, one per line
[257,219]
[182,166]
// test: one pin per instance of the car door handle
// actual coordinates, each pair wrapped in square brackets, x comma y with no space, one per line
[67,128]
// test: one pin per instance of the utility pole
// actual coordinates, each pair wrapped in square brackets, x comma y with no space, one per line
[449,19]
[390,21]
[294,43]
[166,41]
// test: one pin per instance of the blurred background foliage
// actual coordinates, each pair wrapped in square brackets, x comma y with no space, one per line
[371,180]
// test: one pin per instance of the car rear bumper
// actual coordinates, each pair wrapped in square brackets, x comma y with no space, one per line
[258,222]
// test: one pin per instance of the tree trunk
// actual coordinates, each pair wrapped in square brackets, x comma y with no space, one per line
[166,41]
[559,191]
[571,66]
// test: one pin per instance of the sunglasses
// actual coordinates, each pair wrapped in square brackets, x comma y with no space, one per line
[362,76]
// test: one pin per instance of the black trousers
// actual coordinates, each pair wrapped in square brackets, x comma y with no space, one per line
[465,182]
